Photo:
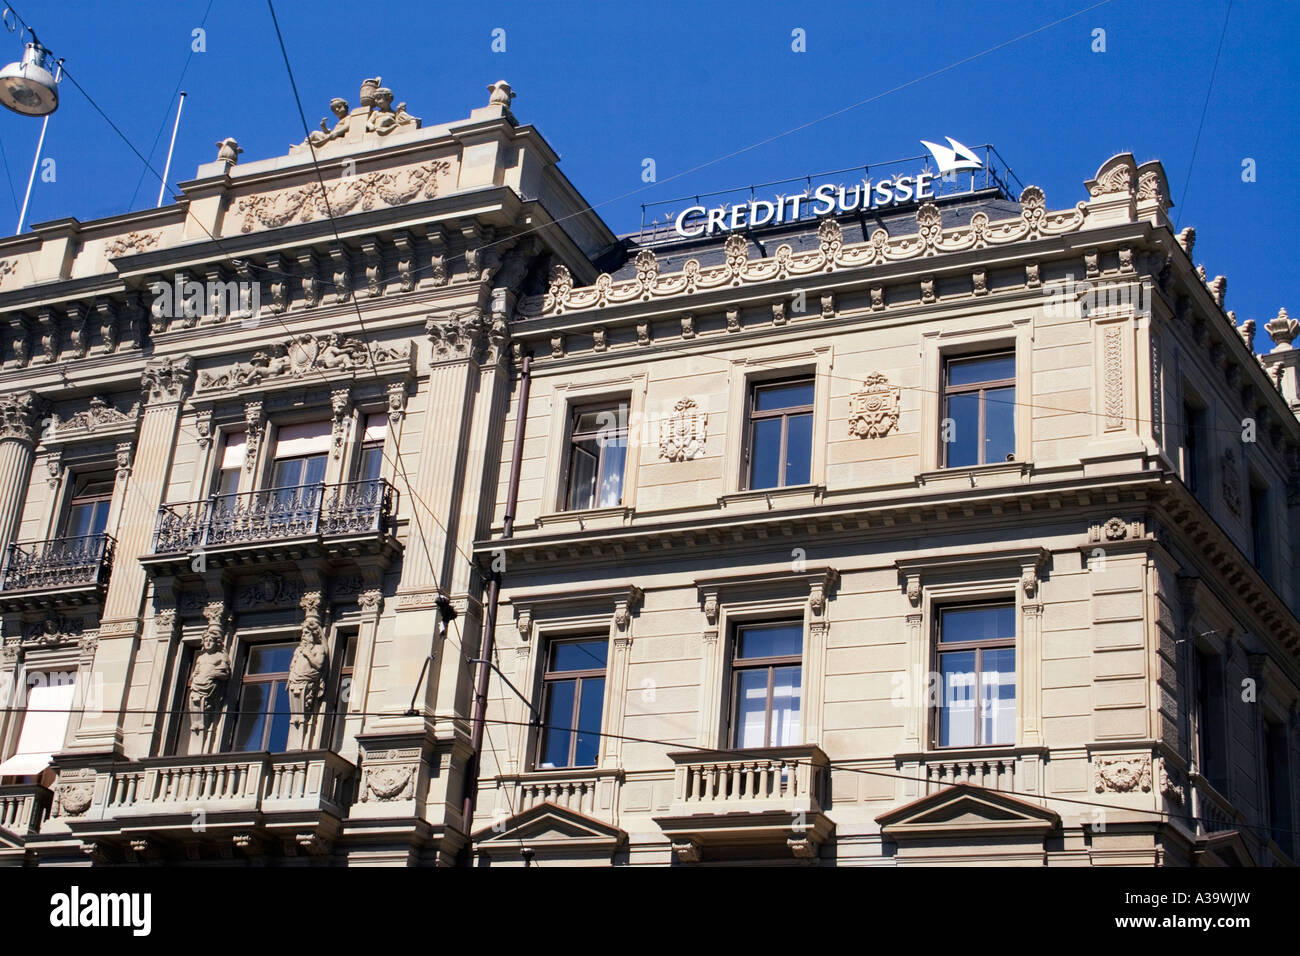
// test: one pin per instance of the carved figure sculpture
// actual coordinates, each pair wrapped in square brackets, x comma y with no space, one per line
[208,683]
[306,674]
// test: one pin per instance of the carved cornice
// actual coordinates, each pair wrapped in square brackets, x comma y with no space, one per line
[831,254]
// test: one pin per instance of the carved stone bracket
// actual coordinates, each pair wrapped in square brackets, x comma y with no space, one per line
[255,418]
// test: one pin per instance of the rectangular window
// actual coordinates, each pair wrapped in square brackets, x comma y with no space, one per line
[1212,723]
[1260,531]
[1277,765]
[346,669]
[573,698]
[767,685]
[1193,428]
[977,672]
[263,723]
[979,409]
[780,433]
[370,463]
[48,705]
[597,455]
[88,510]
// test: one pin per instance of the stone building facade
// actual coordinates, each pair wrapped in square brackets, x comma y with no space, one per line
[959,533]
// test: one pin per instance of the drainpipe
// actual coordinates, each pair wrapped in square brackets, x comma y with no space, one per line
[490,616]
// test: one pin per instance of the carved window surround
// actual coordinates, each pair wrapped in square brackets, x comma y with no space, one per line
[728,600]
[573,391]
[773,362]
[932,582]
[997,332]
[543,616]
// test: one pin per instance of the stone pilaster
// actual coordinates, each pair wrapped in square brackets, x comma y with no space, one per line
[616,672]
[165,384]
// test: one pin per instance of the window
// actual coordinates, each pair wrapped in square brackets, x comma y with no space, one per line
[979,409]
[1212,720]
[780,433]
[88,509]
[232,463]
[263,722]
[573,695]
[344,690]
[597,454]
[45,723]
[1193,428]
[977,672]
[370,463]
[1260,531]
[767,685]
[1277,765]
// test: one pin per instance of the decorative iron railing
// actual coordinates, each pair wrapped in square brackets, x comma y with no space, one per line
[57,563]
[275,514]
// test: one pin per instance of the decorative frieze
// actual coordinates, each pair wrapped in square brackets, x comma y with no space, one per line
[1122,774]
[296,357]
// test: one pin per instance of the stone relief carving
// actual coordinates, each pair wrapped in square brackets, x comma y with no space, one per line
[1231,482]
[269,589]
[306,671]
[208,678]
[1122,774]
[132,242]
[683,434]
[361,192]
[55,631]
[387,783]
[99,413]
[1115,529]
[1114,374]
[1035,221]
[874,410]
[7,268]
[298,356]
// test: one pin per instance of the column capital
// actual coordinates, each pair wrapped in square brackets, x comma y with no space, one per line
[20,414]
[167,380]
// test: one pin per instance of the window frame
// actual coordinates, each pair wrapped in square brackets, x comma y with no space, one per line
[771,663]
[979,388]
[549,677]
[76,498]
[941,647]
[572,436]
[244,680]
[753,416]
[1193,443]
[1212,718]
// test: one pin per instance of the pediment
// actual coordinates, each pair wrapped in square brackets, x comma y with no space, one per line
[1225,848]
[549,825]
[966,809]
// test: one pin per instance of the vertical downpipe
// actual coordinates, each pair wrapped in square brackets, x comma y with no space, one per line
[490,615]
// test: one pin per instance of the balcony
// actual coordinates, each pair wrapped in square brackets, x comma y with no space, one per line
[752,800]
[253,801]
[59,571]
[23,809]
[288,523]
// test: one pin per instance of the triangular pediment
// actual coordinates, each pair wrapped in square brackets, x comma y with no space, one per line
[1225,848]
[551,825]
[966,809]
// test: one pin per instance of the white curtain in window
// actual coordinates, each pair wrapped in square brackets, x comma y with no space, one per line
[293,441]
[376,428]
[233,455]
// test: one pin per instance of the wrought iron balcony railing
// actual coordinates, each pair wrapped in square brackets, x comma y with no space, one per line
[276,514]
[58,563]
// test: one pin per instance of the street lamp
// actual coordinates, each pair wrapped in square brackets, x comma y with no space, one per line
[28,87]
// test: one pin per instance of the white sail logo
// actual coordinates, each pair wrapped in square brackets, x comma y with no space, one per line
[954,158]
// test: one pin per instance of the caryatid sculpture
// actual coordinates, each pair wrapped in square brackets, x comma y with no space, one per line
[307,674]
[208,680]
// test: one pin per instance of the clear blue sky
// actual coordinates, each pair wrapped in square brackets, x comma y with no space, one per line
[688,83]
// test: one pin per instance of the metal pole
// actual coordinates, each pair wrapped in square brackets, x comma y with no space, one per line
[490,616]
[162,188]
[40,144]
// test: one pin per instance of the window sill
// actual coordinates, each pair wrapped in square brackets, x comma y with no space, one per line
[769,499]
[617,517]
[997,474]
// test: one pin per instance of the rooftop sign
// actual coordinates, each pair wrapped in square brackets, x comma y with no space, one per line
[828,198]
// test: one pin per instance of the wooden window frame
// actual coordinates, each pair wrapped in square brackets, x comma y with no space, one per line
[942,647]
[740,665]
[550,677]
[753,416]
[244,680]
[979,388]
[576,411]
